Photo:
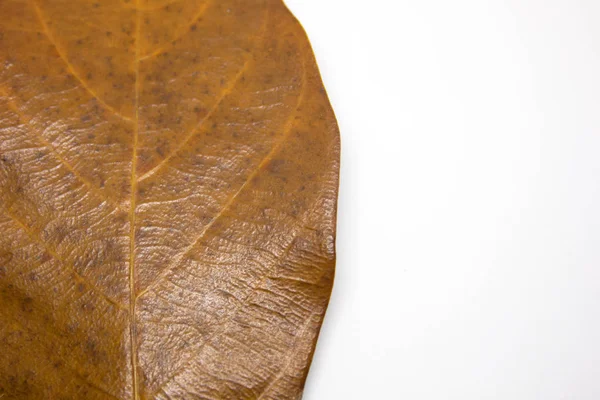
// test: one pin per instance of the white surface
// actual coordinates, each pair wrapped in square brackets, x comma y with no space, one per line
[469,218]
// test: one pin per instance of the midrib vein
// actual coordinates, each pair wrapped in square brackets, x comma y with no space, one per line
[132,296]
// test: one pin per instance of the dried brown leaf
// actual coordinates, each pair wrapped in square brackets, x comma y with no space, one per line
[168,185]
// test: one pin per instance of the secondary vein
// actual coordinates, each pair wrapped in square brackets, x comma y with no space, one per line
[62,54]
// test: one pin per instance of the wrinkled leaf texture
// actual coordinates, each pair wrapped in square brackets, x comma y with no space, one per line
[168,186]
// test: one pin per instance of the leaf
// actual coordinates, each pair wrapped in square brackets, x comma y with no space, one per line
[168,185]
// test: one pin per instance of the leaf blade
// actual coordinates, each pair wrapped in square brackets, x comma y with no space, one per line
[195,189]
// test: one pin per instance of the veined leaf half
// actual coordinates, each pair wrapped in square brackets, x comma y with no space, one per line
[168,188]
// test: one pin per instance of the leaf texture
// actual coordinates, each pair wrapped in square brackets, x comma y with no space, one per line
[168,188]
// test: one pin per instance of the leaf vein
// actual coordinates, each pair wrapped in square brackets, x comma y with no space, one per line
[288,360]
[197,128]
[159,7]
[54,255]
[214,108]
[66,364]
[223,324]
[56,154]
[183,32]
[132,212]
[231,201]
[62,55]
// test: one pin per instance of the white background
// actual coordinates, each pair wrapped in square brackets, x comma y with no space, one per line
[469,214]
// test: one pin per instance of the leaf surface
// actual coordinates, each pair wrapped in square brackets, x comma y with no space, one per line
[168,188]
